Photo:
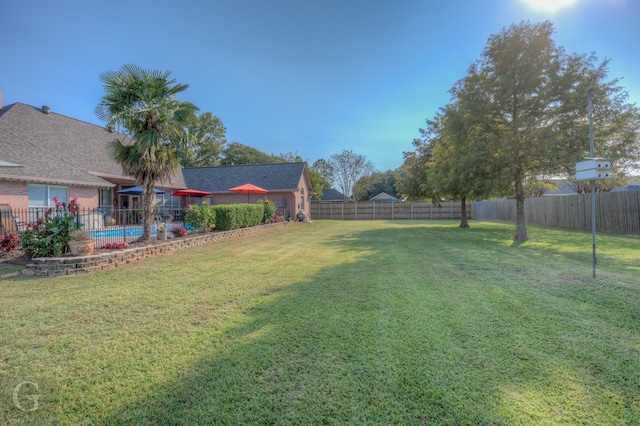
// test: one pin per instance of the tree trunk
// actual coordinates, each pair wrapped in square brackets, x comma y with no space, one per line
[464,223]
[521,223]
[149,206]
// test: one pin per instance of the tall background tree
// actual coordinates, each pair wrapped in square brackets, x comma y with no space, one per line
[376,183]
[204,147]
[458,167]
[143,105]
[237,153]
[524,104]
[346,168]
[320,174]
[412,182]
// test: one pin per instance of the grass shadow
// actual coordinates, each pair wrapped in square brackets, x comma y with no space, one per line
[435,330]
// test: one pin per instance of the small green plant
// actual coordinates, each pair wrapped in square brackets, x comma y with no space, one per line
[50,234]
[163,224]
[200,216]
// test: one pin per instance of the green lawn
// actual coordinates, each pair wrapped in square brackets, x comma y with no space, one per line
[365,322]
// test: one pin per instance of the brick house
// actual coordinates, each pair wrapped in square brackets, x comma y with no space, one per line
[289,184]
[59,156]
[44,154]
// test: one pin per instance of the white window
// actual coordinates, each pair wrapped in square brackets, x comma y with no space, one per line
[42,195]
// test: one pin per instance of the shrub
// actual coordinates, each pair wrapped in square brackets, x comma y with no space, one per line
[269,210]
[9,241]
[200,216]
[178,231]
[235,216]
[50,235]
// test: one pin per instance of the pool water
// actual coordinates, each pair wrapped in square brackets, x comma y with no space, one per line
[129,231]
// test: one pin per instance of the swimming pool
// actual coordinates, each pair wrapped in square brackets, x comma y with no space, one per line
[122,231]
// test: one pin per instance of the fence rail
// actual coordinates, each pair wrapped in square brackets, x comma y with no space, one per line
[104,224]
[616,212]
[386,210]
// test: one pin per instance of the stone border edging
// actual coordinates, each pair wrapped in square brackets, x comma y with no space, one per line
[75,265]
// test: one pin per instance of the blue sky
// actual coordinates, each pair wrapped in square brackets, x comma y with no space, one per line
[293,76]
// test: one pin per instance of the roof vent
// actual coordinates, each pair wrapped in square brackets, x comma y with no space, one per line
[46,109]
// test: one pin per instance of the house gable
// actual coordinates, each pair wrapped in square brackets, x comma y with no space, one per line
[56,149]
[52,148]
[272,177]
[289,184]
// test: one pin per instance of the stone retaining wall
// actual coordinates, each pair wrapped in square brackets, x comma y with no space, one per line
[74,265]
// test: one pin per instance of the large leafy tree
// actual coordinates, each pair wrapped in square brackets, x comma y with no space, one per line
[143,105]
[318,183]
[411,181]
[236,154]
[455,170]
[525,105]
[320,174]
[346,168]
[206,142]
[376,183]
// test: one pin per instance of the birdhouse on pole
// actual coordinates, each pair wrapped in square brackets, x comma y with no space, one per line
[592,169]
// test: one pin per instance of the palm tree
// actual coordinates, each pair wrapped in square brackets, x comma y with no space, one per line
[142,104]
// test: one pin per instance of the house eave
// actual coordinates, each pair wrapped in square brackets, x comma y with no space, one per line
[54,181]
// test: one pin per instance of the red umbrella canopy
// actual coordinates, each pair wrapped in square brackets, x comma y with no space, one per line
[191,193]
[248,188]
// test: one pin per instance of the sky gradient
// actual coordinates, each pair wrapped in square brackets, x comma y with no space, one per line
[293,76]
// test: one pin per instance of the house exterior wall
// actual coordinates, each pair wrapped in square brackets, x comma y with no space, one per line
[303,196]
[14,193]
[87,197]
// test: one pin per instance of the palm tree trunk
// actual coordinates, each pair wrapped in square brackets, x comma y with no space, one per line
[149,206]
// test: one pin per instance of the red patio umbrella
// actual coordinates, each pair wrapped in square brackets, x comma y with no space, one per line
[191,193]
[248,188]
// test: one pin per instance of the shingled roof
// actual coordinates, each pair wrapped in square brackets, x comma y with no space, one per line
[272,177]
[331,194]
[56,149]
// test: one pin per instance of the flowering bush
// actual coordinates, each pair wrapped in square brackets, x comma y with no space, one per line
[115,246]
[200,216]
[269,210]
[178,231]
[9,241]
[50,234]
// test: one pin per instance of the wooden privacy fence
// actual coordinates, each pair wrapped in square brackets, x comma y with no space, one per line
[616,212]
[386,210]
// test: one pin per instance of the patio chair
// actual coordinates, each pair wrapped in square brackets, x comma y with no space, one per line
[20,225]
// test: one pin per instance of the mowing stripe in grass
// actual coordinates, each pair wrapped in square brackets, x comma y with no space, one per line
[336,323]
